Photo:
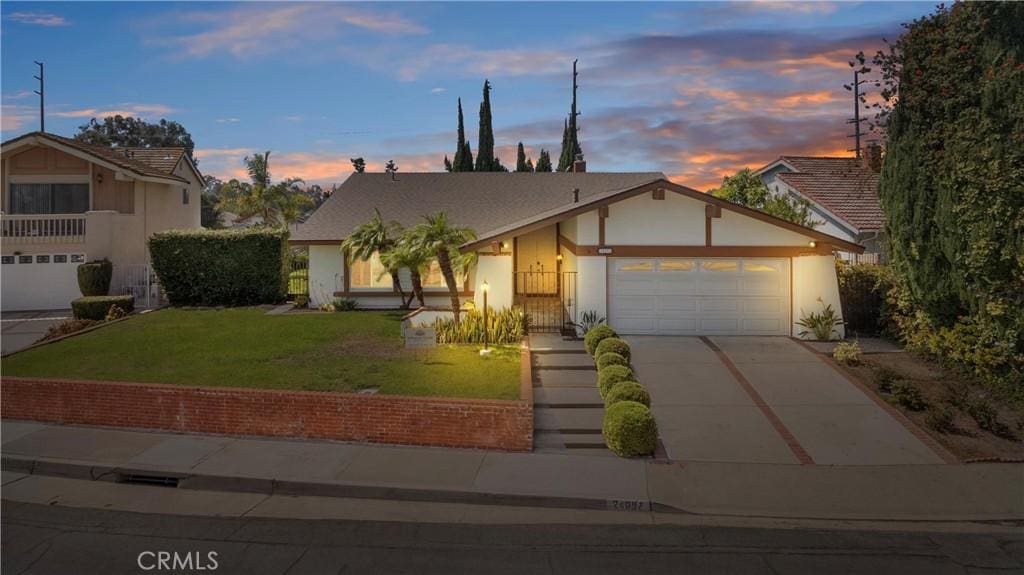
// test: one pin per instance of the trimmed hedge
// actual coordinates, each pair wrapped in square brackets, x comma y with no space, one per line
[595,335]
[221,267]
[613,345]
[629,429]
[609,376]
[94,277]
[609,359]
[628,391]
[96,307]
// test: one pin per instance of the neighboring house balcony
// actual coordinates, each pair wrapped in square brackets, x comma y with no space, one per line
[89,233]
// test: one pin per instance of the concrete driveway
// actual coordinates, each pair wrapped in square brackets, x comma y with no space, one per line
[764,400]
[20,329]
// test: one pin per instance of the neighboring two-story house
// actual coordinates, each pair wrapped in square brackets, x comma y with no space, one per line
[843,193]
[65,202]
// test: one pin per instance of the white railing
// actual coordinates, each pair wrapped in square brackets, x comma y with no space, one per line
[43,228]
[865,258]
[140,282]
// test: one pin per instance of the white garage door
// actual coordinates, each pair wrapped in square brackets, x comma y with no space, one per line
[694,296]
[39,281]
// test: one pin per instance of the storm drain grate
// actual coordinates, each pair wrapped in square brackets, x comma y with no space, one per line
[145,479]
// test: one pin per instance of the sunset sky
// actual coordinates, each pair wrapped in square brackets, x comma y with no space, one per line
[694,90]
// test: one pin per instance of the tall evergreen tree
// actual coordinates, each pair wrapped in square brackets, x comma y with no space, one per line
[485,147]
[521,160]
[543,161]
[447,164]
[529,165]
[565,159]
[463,161]
[571,137]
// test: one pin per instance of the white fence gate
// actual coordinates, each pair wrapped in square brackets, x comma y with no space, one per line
[140,282]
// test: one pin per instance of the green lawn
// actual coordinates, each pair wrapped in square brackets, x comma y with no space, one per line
[244,347]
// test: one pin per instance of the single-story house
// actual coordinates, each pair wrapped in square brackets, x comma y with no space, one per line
[650,255]
[843,193]
[65,202]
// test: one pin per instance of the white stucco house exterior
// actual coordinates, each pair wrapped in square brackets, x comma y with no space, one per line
[65,202]
[650,255]
[843,193]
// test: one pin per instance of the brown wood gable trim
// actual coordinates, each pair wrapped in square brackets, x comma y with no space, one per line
[703,251]
[380,294]
[658,194]
[709,213]
[684,191]
[346,274]
[602,215]
[494,254]
[567,244]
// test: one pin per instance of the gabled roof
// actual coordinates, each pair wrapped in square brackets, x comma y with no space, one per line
[497,205]
[483,201]
[843,186]
[145,162]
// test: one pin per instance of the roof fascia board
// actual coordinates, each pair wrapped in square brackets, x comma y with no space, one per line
[836,219]
[778,162]
[560,214]
[39,141]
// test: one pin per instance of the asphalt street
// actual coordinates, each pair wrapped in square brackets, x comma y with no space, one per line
[50,539]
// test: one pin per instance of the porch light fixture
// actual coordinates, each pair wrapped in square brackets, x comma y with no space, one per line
[504,245]
[484,287]
[99,177]
[812,243]
[558,257]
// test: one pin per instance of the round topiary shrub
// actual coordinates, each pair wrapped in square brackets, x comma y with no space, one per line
[629,429]
[611,375]
[609,359]
[595,335]
[94,277]
[627,391]
[613,345]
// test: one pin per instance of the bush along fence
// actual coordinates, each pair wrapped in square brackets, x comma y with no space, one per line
[221,267]
[629,428]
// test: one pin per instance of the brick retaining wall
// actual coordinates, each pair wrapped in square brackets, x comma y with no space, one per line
[486,424]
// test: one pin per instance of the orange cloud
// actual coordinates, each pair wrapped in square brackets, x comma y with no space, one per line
[140,110]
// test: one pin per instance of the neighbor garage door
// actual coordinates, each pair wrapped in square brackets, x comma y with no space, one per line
[39,281]
[694,296]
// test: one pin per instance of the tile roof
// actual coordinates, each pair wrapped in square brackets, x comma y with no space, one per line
[843,186]
[482,201]
[133,161]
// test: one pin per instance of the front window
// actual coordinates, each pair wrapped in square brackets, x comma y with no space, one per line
[369,274]
[49,198]
[433,278]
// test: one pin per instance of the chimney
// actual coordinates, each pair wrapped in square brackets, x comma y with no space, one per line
[872,157]
[579,166]
[575,195]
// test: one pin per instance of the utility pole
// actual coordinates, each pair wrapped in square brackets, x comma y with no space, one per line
[573,128]
[42,95]
[856,120]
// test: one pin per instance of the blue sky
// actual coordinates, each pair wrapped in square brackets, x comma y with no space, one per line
[696,90]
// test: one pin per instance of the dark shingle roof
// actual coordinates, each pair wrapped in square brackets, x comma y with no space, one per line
[133,162]
[482,201]
[843,186]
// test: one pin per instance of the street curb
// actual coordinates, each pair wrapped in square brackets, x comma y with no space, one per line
[269,486]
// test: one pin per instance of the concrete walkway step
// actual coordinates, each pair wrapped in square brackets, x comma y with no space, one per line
[565,378]
[562,360]
[550,341]
[558,395]
[554,418]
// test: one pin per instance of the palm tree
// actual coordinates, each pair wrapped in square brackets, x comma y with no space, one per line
[436,236]
[375,236]
[409,255]
[278,204]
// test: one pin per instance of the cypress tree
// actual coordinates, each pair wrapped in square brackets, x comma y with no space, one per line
[521,160]
[462,162]
[447,164]
[565,159]
[485,146]
[529,165]
[543,161]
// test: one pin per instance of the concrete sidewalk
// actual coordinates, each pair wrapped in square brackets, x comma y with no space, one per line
[21,329]
[894,492]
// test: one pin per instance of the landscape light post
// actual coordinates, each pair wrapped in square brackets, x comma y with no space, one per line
[485,287]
